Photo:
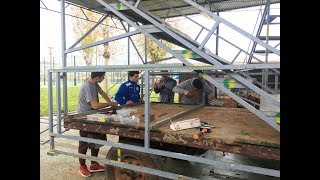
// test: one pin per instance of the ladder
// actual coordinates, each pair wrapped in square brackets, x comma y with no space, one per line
[266,21]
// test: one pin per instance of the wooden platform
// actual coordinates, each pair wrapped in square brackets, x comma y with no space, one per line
[236,130]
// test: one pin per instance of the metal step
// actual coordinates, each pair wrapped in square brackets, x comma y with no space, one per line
[272,38]
[271,18]
[262,51]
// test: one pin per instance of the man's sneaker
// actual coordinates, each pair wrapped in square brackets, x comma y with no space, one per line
[84,171]
[96,167]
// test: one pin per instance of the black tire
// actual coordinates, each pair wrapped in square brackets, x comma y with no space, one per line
[143,159]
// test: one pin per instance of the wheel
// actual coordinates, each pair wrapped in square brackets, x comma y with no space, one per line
[130,157]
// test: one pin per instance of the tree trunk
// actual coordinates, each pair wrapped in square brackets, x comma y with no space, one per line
[106,56]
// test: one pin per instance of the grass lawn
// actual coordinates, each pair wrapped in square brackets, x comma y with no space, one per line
[73,92]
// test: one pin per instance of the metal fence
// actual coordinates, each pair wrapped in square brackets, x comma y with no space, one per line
[75,78]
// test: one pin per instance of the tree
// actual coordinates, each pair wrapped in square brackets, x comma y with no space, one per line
[81,26]
[154,51]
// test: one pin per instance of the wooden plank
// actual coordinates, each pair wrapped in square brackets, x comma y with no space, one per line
[236,130]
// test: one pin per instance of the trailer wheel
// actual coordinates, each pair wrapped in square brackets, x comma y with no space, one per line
[130,157]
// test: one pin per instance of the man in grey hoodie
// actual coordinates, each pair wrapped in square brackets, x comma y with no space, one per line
[194,91]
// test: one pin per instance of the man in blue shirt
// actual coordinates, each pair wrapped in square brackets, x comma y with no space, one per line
[129,91]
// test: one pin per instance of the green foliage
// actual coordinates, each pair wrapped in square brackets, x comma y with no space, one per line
[156,52]
[72,98]
[80,27]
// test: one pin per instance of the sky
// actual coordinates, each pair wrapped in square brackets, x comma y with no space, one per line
[50,36]
[50,28]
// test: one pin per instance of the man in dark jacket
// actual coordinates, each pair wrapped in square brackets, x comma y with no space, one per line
[164,87]
[129,91]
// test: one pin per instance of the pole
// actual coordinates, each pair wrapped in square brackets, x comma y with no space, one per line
[96,56]
[64,57]
[78,74]
[53,62]
[50,53]
[217,52]
[44,71]
[75,73]
[217,37]
[146,112]
[128,46]
[267,39]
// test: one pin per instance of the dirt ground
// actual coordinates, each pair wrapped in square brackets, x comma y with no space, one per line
[67,167]
[62,166]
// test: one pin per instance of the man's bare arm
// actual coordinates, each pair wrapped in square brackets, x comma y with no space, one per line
[97,105]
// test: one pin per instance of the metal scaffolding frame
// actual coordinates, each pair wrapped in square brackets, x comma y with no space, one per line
[158,25]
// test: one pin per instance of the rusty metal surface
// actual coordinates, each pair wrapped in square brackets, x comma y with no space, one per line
[236,130]
[168,119]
